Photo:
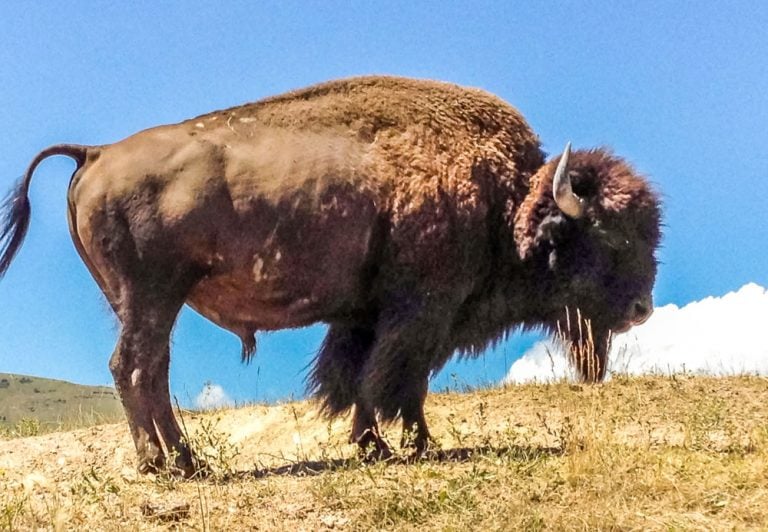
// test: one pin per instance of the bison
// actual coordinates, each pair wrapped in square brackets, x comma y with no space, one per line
[417,219]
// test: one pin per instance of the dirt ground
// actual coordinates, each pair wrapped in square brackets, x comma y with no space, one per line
[649,453]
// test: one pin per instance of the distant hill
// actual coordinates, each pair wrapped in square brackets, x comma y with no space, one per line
[55,404]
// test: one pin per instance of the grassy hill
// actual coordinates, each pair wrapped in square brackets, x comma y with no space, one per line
[33,404]
[651,453]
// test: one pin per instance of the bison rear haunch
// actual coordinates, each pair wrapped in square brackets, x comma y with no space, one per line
[416,218]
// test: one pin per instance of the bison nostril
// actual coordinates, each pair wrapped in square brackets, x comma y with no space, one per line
[640,311]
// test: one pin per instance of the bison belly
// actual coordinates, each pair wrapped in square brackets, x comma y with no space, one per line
[290,263]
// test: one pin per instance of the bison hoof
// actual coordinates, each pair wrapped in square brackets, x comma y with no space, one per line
[153,464]
[188,470]
[375,453]
[419,444]
[372,447]
[183,466]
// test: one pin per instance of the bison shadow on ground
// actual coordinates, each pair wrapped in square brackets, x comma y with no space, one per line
[305,468]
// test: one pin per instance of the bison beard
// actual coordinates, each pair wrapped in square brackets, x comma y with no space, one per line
[417,219]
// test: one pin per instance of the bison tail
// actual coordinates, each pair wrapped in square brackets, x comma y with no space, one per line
[15,210]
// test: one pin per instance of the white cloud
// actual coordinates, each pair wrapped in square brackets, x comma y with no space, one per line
[212,396]
[717,335]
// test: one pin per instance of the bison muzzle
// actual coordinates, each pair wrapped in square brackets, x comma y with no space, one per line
[417,219]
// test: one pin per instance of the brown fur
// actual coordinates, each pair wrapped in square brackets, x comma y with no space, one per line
[414,217]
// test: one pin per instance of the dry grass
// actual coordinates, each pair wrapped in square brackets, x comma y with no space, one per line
[677,452]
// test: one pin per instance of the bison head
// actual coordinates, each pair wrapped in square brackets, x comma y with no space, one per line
[592,226]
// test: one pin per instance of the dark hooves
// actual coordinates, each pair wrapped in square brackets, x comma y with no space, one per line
[373,453]
[153,465]
[421,446]
[186,468]
[372,447]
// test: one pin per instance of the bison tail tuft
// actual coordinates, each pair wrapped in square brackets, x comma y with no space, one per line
[14,223]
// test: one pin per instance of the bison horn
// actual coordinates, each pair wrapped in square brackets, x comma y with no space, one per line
[568,202]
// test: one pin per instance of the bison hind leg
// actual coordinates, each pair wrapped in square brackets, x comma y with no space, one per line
[140,366]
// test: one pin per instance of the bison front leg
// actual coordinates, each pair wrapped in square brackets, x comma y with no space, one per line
[366,434]
[409,338]
[415,431]
[335,379]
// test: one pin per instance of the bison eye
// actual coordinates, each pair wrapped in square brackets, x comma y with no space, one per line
[611,238]
[617,241]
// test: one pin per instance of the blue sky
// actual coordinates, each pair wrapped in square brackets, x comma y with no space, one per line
[679,88]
